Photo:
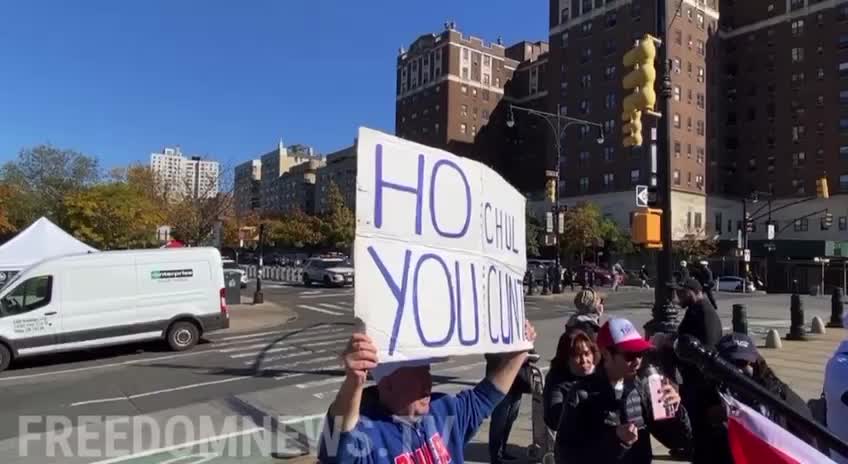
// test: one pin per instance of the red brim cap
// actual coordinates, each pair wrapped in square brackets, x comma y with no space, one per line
[636,345]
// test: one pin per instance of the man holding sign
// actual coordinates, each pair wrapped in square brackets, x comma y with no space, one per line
[440,259]
[407,423]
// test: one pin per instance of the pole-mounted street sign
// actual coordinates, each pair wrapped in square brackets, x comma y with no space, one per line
[642,196]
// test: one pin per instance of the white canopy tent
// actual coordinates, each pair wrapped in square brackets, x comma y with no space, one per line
[42,239]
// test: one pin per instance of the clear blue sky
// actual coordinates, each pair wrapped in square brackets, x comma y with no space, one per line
[119,79]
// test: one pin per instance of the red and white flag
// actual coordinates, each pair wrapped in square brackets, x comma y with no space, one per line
[754,439]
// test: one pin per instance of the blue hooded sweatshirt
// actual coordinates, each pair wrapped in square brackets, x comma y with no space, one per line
[437,438]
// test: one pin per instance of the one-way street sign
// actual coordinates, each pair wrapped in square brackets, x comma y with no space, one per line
[642,196]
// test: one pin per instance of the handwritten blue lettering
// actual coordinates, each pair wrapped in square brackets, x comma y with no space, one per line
[379,184]
[416,308]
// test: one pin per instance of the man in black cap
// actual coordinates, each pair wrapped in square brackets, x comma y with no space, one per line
[700,396]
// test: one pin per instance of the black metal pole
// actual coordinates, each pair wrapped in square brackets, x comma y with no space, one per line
[258,297]
[557,288]
[690,350]
[664,314]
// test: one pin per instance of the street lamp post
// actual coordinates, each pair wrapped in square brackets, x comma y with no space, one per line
[558,124]
[258,296]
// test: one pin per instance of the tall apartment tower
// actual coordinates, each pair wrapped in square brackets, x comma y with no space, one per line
[448,85]
[588,40]
[179,175]
[785,96]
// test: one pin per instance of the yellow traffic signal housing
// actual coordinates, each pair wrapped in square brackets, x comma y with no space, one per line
[821,188]
[632,129]
[551,190]
[641,79]
[645,229]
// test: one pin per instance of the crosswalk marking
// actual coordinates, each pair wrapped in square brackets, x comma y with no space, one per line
[279,350]
[266,340]
[334,306]
[320,310]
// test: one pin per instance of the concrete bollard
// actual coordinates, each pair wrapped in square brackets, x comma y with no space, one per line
[837,308]
[773,339]
[740,319]
[796,314]
[817,326]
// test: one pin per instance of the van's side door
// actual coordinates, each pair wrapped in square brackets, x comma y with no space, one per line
[29,315]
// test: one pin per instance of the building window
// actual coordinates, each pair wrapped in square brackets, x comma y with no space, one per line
[700,74]
[796,5]
[612,19]
[586,55]
[798,159]
[700,20]
[473,131]
[584,184]
[677,149]
[676,93]
[798,131]
[700,155]
[586,28]
[843,183]
[583,159]
[698,221]
[486,79]
[718,223]
[677,120]
[463,128]
[678,37]
[700,128]
[463,111]
[676,65]
[843,222]
[797,54]
[609,72]
[585,107]
[676,177]
[843,125]
[609,181]
[609,101]
[464,89]
[436,128]
[484,115]
[701,101]
[563,16]
[701,49]
[802,225]
[689,124]
[564,39]
[798,27]
[843,152]
[485,95]
[609,153]
[586,81]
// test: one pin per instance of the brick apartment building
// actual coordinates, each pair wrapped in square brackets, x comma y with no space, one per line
[452,91]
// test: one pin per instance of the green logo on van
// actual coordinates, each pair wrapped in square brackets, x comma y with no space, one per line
[175,274]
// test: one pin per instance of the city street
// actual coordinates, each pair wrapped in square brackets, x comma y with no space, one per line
[292,372]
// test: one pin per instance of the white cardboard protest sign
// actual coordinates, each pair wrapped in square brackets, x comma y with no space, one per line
[439,252]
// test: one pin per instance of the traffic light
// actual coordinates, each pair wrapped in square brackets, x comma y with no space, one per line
[641,81]
[632,129]
[749,224]
[645,227]
[821,188]
[827,221]
[551,190]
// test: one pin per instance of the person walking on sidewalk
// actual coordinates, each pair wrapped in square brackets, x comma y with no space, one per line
[617,275]
[406,420]
[506,412]
[575,358]
[705,277]
[643,276]
[608,417]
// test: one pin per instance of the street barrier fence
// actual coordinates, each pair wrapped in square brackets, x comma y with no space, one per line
[276,273]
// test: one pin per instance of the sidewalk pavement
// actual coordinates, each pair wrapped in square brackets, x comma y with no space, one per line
[247,316]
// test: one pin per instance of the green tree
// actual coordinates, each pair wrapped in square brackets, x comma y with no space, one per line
[338,222]
[296,229]
[582,229]
[43,176]
[612,234]
[534,233]
[694,245]
[112,216]
[7,200]
[193,219]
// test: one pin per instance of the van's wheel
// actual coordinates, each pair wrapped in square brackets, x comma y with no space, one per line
[183,335]
[306,280]
[5,357]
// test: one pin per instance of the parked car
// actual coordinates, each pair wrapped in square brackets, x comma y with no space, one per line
[231,265]
[329,271]
[733,284]
[603,277]
[538,269]
[91,300]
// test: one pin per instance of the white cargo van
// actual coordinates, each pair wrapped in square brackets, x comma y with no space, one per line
[114,297]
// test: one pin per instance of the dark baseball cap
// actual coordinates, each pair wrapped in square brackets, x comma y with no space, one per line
[688,284]
[736,347]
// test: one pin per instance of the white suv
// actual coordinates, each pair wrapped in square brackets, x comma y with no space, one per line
[329,271]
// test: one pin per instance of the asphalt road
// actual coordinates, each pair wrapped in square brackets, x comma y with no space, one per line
[291,373]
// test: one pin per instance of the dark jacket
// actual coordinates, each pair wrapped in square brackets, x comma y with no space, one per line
[587,434]
[705,276]
[700,394]
[558,383]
